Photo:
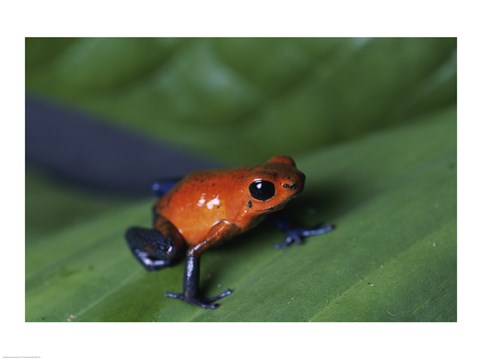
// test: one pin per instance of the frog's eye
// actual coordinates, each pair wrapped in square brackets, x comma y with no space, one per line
[262,190]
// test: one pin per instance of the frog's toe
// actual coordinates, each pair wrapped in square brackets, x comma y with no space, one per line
[297,235]
[219,296]
[293,236]
[205,303]
[317,230]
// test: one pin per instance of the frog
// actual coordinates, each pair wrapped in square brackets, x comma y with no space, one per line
[206,208]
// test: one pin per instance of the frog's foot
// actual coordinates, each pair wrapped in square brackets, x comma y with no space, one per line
[296,235]
[153,250]
[206,303]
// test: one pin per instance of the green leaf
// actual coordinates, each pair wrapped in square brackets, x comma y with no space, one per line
[392,256]
[276,95]
[51,205]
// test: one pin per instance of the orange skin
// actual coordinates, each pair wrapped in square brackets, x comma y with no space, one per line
[211,206]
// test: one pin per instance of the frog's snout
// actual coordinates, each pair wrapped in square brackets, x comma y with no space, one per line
[295,182]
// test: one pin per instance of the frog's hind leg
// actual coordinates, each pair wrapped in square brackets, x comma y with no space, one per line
[152,249]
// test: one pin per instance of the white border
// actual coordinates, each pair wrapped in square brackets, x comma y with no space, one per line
[246,18]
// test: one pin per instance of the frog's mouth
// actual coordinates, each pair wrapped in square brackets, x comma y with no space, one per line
[281,205]
[276,207]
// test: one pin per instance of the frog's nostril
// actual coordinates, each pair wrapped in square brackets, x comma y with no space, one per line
[291,186]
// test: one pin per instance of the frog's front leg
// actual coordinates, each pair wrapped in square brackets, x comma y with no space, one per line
[191,279]
[296,234]
[191,286]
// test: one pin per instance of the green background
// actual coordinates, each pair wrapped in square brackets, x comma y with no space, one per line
[371,122]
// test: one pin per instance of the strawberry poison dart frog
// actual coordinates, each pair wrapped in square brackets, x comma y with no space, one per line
[208,207]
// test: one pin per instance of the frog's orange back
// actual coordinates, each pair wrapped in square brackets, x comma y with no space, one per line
[202,199]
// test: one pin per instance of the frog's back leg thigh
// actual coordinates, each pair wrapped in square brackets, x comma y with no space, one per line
[156,249]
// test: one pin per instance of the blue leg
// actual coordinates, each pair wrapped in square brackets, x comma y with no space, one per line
[191,276]
[296,234]
[191,282]
[161,187]
[152,249]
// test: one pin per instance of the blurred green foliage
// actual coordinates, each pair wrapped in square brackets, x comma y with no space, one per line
[242,100]
[372,123]
[52,205]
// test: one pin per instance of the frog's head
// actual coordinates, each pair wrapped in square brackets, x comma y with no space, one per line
[272,184]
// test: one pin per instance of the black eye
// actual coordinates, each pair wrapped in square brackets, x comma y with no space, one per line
[262,190]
